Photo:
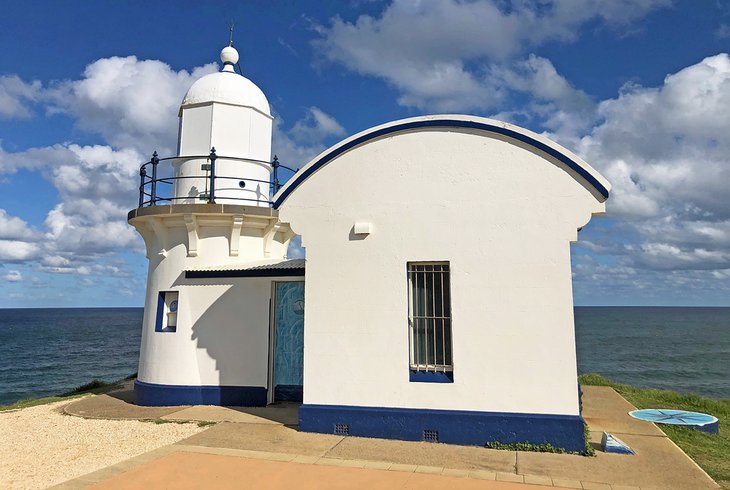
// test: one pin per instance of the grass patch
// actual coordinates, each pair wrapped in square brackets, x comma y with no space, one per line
[35,401]
[525,446]
[544,448]
[202,423]
[95,387]
[710,451]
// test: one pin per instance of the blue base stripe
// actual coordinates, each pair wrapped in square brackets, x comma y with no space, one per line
[288,393]
[155,395]
[452,426]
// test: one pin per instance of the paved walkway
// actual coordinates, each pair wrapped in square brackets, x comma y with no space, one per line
[261,448]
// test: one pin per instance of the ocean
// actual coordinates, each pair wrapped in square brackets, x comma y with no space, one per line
[49,351]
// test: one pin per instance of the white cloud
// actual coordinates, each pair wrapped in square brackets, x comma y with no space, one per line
[12,227]
[315,127]
[15,96]
[18,251]
[97,186]
[439,54]
[132,103]
[13,276]
[665,150]
[306,138]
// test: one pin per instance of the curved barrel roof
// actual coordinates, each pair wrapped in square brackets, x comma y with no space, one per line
[587,176]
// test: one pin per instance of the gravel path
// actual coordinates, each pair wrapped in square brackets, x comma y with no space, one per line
[39,446]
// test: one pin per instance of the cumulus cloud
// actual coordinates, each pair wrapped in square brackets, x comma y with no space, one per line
[665,150]
[306,138]
[12,227]
[16,96]
[131,103]
[13,276]
[440,54]
[18,251]
[97,184]
[315,127]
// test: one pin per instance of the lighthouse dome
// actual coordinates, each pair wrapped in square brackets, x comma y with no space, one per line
[227,87]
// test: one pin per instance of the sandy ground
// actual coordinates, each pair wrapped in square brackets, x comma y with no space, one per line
[40,446]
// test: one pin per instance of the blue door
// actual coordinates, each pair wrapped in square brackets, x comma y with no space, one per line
[288,340]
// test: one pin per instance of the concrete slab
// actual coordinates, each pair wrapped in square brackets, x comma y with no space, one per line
[424,453]
[258,432]
[286,414]
[185,470]
[606,410]
[264,437]
[658,463]
[118,405]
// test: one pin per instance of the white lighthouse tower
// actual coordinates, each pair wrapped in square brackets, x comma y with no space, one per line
[215,247]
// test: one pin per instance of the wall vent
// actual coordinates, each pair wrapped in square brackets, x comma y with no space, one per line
[431,435]
[342,429]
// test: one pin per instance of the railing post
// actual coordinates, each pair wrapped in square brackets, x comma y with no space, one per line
[275,164]
[213,157]
[155,160]
[142,175]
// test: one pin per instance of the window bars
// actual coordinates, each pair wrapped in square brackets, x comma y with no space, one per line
[429,316]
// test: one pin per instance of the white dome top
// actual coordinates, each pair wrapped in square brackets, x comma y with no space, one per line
[228,87]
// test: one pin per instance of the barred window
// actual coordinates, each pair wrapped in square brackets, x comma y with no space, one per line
[429,316]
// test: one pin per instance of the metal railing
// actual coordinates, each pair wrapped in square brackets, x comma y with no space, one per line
[153,176]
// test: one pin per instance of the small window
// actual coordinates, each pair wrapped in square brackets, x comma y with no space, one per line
[429,319]
[167,312]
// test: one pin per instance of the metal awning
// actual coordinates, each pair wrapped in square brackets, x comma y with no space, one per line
[284,268]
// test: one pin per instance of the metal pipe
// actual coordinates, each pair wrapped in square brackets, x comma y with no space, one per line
[275,164]
[142,175]
[213,157]
[154,161]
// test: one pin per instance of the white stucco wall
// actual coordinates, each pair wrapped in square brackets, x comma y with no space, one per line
[235,132]
[222,335]
[502,215]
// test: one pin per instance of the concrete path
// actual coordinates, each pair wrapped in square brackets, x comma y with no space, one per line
[188,468]
[249,439]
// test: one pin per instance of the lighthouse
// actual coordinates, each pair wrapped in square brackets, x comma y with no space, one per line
[216,250]
[438,259]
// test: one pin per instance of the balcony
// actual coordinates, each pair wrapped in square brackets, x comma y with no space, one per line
[202,179]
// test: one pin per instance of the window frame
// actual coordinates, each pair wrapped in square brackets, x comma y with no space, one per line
[164,313]
[432,313]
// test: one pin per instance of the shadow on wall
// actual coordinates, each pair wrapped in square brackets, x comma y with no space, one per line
[233,330]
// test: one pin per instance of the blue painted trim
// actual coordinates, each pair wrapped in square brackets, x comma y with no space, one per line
[453,426]
[288,393]
[160,312]
[430,377]
[444,123]
[156,395]
[711,428]
[612,444]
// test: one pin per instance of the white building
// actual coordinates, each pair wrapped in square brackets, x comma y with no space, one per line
[438,291]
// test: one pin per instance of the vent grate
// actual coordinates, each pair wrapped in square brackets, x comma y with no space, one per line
[431,435]
[342,429]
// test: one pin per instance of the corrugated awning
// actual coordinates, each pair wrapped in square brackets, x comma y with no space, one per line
[284,268]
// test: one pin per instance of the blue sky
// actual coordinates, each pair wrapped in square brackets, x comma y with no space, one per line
[639,88]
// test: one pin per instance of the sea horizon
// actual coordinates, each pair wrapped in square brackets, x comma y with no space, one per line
[50,350]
